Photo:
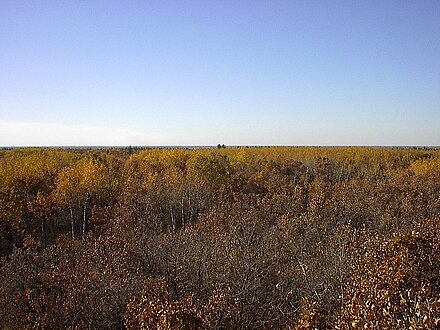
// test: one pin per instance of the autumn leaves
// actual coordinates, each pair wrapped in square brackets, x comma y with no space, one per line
[275,238]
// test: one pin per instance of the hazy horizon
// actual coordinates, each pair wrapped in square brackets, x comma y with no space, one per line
[189,73]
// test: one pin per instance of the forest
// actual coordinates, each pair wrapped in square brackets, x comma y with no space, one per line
[227,238]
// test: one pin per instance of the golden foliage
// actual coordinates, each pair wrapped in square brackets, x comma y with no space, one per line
[396,284]
[231,238]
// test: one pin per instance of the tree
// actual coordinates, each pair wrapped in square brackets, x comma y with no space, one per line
[78,187]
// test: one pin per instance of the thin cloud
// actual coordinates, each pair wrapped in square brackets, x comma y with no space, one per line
[50,134]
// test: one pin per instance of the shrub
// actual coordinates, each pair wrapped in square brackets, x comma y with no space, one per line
[396,284]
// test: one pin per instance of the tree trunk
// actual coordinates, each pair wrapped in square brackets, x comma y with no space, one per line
[182,213]
[189,205]
[84,219]
[72,224]
[43,236]
[173,220]
[84,215]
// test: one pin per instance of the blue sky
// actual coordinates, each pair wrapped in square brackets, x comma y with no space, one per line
[208,72]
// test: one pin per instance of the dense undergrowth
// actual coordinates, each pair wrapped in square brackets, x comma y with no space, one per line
[235,238]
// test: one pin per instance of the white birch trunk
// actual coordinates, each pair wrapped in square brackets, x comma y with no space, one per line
[72,224]
[173,220]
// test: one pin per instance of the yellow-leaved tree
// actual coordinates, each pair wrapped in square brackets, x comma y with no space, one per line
[79,186]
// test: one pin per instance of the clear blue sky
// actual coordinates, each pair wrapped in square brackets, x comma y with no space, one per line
[208,72]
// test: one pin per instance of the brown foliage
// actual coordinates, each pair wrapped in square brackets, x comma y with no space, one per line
[249,238]
[396,284]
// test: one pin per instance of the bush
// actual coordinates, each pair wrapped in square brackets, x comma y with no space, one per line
[396,284]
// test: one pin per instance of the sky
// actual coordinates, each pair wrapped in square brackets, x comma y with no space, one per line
[110,73]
